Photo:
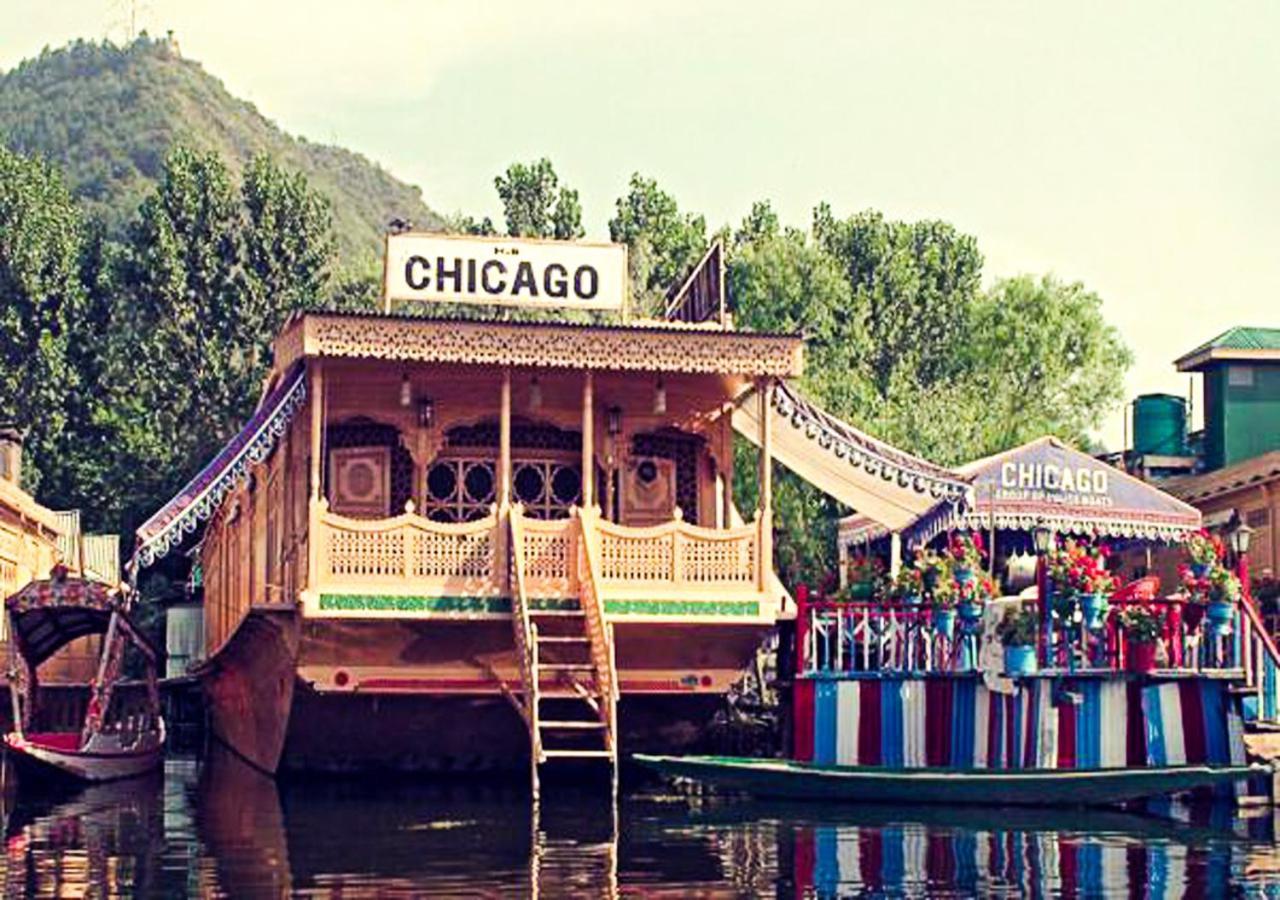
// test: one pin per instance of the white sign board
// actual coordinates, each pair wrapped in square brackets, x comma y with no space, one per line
[508,271]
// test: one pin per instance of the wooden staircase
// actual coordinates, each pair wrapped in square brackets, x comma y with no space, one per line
[569,685]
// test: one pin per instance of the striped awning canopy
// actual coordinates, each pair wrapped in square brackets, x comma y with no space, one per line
[198,500]
[881,482]
[1047,483]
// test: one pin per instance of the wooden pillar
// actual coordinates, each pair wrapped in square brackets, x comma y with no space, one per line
[588,441]
[895,553]
[317,427]
[504,441]
[726,465]
[503,543]
[314,544]
[765,517]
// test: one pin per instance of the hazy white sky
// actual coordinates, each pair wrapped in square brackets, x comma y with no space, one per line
[1132,146]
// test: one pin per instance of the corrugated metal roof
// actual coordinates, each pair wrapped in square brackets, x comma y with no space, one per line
[1242,338]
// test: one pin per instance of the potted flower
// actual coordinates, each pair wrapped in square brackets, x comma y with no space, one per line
[1224,593]
[1089,581]
[1017,631]
[865,573]
[1142,628]
[908,586]
[1205,551]
[965,552]
[943,600]
[971,596]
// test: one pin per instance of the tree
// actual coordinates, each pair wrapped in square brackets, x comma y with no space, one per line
[40,246]
[1046,360]
[535,204]
[663,245]
[915,283]
[289,244]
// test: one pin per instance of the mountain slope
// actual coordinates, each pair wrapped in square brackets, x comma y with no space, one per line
[108,115]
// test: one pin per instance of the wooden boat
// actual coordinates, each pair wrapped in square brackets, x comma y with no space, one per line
[120,737]
[992,787]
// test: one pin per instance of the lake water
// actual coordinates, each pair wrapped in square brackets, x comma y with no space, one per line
[218,828]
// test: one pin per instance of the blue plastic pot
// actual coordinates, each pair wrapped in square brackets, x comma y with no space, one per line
[1094,607]
[912,599]
[945,621]
[970,611]
[962,575]
[1020,659]
[1200,569]
[1220,614]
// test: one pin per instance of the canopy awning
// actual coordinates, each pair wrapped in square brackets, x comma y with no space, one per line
[881,482]
[196,502]
[49,614]
[1047,483]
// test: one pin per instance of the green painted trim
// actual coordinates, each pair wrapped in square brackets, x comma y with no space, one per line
[397,603]
[682,607]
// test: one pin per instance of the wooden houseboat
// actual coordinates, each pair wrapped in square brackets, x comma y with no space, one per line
[428,521]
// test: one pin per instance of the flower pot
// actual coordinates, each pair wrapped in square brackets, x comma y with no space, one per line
[912,599]
[970,611]
[1220,614]
[945,621]
[1141,657]
[1200,569]
[962,575]
[862,590]
[1094,607]
[1020,659]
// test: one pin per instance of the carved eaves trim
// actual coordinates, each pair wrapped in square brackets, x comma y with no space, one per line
[603,348]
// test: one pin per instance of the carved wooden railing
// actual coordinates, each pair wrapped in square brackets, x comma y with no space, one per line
[679,560]
[408,554]
[599,631]
[526,636]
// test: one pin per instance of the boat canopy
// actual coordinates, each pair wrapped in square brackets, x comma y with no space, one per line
[881,482]
[200,497]
[1047,483]
[47,615]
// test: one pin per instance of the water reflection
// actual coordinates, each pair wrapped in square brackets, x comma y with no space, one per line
[219,828]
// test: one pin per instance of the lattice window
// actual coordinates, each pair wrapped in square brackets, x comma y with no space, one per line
[460,490]
[682,449]
[368,433]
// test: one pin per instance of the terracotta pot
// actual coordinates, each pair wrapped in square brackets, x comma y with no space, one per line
[1141,657]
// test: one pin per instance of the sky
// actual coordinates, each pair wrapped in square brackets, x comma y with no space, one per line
[1132,146]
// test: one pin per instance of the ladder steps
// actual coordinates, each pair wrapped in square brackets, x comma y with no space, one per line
[578,754]
[562,639]
[566,667]
[561,613]
[569,724]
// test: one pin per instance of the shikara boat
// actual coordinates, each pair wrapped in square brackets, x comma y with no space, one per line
[787,779]
[119,737]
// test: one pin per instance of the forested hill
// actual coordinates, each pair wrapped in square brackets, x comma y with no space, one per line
[108,115]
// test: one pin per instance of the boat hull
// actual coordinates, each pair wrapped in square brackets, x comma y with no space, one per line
[990,787]
[82,765]
[306,695]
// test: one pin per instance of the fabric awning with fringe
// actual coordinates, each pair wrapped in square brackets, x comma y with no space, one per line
[881,482]
[198,500]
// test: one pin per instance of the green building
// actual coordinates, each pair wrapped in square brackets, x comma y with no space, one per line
[1241,369]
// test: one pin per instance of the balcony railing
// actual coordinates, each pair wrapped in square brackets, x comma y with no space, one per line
[410,555]
[885,637]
